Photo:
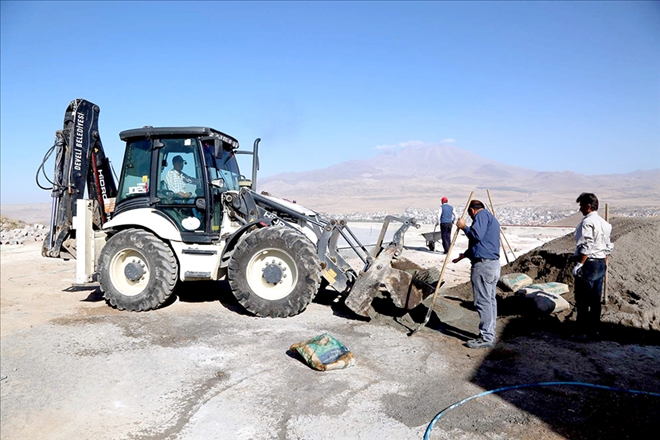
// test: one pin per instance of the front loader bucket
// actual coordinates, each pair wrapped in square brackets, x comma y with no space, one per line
[368,284]
[406,283]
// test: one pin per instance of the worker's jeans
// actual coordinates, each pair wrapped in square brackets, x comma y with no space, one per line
[445,231]
[588,290]
[484,276]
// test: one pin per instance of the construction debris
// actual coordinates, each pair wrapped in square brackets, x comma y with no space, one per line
[9,234]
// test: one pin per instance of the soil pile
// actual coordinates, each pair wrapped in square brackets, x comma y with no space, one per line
[633,280]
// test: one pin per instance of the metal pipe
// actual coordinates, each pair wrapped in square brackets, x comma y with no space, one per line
[365,260]
[255,163]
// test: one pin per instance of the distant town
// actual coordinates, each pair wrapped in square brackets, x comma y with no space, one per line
[528,216]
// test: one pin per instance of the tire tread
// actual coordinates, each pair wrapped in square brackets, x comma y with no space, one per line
[163,268]
[304,253]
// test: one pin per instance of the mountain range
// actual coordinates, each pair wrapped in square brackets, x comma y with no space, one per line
[418,176]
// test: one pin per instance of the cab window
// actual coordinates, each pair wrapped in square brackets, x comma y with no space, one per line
[227,167]
[137,164]
[180,182]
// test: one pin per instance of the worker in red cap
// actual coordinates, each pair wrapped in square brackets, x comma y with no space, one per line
[446,217]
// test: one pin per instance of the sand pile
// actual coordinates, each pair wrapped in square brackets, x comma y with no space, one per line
[633,283]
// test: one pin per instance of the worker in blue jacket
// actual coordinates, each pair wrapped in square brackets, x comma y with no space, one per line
[446,218]
[484,254]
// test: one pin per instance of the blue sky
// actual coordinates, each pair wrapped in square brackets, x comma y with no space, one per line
[550,86]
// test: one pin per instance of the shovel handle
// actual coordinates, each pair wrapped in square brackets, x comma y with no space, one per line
[444,266]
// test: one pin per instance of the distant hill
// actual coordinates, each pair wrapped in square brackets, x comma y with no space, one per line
[29,213]
[418,176]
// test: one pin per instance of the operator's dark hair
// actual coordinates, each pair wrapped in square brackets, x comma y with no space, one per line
[588,199]
[476,205]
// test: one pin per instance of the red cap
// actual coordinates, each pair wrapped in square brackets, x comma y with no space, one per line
[444,200]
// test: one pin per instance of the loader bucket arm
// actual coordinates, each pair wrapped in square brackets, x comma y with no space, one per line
[406,283]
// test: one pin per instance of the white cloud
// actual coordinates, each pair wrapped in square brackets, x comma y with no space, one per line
[413,144]
[400,145]
[385,147]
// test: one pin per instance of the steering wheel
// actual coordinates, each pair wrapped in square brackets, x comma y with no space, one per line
[199,189]
[166,196]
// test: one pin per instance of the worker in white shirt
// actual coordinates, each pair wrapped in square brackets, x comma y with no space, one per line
[176,179]
[593,246]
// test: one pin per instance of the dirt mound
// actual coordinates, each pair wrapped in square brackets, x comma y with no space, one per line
[633,282]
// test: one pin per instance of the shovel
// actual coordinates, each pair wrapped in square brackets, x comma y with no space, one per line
[442,272]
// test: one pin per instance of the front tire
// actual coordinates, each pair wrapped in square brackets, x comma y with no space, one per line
[274,272]
[137,271]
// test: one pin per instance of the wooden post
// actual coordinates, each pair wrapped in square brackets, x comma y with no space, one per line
[501,231]
[607,219]
[506,256]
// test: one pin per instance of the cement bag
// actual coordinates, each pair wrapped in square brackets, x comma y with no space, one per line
[324,353]
[549,302]
[556,288]
[514,281]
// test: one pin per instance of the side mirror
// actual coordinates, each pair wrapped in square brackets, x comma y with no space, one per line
[218,183]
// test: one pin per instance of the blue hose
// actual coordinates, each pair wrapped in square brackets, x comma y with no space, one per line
[529,385]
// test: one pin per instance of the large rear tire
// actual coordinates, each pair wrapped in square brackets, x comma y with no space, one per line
[274,272]
[137,271]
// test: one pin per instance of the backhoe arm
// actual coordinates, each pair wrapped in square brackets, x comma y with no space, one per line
[80,162]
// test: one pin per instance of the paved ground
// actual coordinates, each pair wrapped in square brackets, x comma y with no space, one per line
[200,368]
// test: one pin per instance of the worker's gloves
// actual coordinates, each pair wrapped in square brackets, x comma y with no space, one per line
[577,270]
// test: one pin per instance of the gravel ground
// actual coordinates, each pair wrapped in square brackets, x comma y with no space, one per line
[200,368]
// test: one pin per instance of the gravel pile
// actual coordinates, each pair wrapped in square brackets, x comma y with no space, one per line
[27,233]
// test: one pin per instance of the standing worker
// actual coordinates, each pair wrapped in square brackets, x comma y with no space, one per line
[593,246]
[484,254]
[446,217]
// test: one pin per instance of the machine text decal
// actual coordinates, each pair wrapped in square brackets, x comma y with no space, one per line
[78,149]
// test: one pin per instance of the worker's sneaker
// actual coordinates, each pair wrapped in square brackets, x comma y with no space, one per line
[479,343]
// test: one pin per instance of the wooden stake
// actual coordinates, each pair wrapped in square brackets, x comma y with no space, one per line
[505,239]
[506,256]
[607,219]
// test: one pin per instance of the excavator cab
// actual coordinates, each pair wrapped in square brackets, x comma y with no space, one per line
[182,173]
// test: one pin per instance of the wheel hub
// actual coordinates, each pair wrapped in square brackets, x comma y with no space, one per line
[134,271]
[273,273]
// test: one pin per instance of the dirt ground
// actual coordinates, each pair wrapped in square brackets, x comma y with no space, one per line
[201,368]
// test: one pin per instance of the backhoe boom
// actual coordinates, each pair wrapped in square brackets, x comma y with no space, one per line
[80,162]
